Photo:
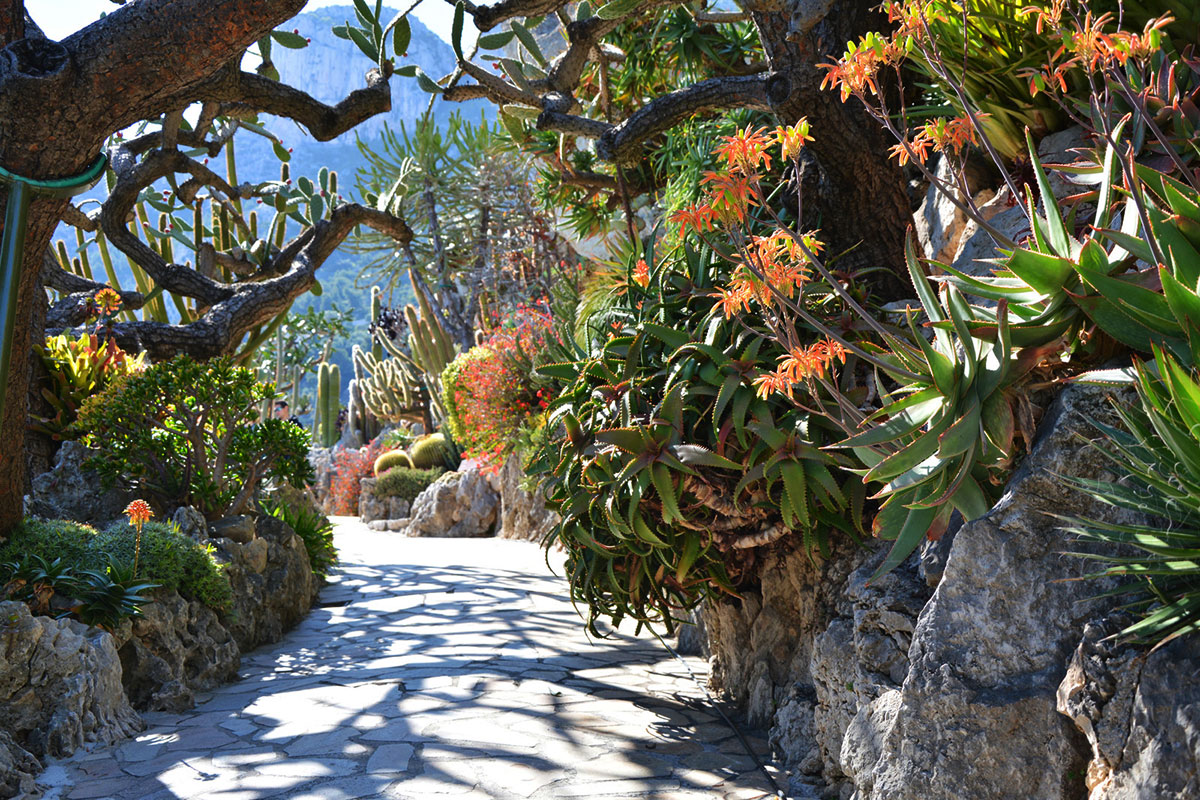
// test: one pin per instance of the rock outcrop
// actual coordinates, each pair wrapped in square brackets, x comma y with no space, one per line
[71,491]
[60,687]
[457,505]
[372,508]
[523,515]
[18,769]
[172,650]
[178,647]
[977,711]
[273,584]
[1140,712]
[895,690]
[811,654]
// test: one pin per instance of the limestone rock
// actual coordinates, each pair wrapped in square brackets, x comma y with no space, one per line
[523,515]
[191,522]
[976,715]
[863,742]
[976,246]
[173,649]
[398,508]
[238,529]
[18,768]
[70,491]
[861,656]
[370,507]
[457,505]
[273,584]
[1139,711]
[60,687]
[940,224]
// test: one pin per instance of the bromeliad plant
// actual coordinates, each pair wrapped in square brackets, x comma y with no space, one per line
[1158,457]
[77,368]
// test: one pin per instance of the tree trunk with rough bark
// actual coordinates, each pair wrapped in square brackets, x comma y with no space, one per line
[857,198]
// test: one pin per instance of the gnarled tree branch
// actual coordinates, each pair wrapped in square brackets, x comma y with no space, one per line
[246,94]
[251,304]
[623,143]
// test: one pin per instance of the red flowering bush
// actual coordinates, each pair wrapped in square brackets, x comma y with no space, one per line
[490,392]
[349,467]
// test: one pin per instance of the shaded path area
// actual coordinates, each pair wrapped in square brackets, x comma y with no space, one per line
[436,668]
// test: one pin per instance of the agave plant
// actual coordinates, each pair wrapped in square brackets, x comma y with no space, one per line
[1158,456]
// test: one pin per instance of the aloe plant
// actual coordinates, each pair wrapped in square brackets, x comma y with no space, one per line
[943,440]
[671,470]
[1059,283]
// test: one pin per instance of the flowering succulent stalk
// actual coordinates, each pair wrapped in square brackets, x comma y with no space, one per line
[139,513]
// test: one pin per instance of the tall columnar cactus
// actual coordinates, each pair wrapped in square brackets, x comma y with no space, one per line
[431,345]
[416,379]
[329,403]
[376,310]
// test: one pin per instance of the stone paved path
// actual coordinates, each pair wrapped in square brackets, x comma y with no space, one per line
[436,669]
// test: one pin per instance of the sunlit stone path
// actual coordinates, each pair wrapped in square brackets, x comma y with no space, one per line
[436,668]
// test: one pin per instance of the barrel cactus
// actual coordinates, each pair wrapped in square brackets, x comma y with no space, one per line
[433,450]
[392,458]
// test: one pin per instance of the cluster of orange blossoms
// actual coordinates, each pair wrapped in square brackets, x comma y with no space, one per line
[1090,47]
[780,260]
[854,73]
[799,364]
[912,18]
[732,193]
[139,513]
[943,135]
[641,273]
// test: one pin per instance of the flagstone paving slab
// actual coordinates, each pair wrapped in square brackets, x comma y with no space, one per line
[437,668]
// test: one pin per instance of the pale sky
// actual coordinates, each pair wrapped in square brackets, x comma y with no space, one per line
[61,18]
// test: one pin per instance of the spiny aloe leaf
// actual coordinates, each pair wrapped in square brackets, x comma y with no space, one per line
[907,526]
[1060,240]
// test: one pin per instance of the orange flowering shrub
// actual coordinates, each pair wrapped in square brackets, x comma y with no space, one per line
[490,393]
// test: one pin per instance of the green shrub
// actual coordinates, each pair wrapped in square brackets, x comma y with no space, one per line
[167,558]
[434,450]
[314,529]
[392,458]
[406,482]
[184,433]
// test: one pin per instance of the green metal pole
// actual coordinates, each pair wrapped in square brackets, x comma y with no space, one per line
[12,245]
[12,250]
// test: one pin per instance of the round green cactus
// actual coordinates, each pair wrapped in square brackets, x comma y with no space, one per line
[392,458]
[431,451]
